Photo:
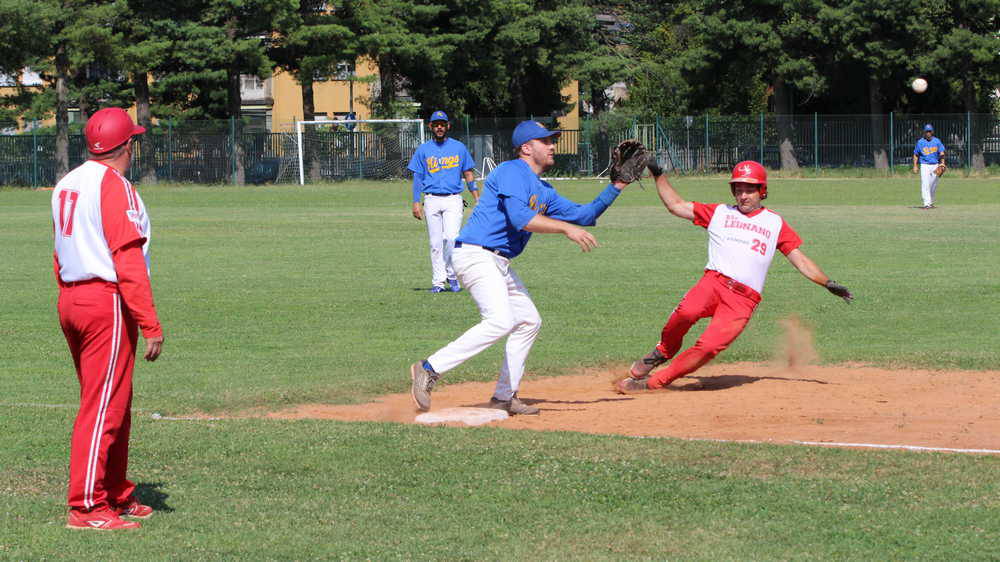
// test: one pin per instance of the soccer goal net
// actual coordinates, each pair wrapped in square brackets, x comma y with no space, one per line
[349,149]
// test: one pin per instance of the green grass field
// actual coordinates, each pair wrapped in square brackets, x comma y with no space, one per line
[272,296]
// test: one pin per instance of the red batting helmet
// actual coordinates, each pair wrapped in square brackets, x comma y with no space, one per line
[751,172]
[108,129]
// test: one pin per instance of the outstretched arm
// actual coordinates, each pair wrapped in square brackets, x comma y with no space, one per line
[545,225]
[671,199]
[812,272]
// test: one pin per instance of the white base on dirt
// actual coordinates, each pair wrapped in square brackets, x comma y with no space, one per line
[468,416]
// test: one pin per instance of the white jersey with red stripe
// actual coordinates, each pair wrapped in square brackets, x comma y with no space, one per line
[741,246]
[96,211]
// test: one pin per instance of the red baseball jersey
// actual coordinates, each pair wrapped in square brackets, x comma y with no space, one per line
[742,246]
[95,213]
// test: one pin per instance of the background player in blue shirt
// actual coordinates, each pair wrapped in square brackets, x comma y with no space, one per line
[929,154]
[515,203]
[438,167]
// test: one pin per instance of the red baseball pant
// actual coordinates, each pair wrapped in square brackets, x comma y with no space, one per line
[728,303]
[102,338]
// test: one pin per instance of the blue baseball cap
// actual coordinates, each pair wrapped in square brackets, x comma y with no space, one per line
[439,116]
[530,130]
[928,127]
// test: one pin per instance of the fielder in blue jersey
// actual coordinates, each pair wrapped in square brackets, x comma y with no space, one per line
[438,167]
[515,203]
[928,158]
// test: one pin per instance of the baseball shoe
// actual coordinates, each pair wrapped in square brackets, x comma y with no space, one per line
[101,519]
[513,406]
[436,289]
[629,385]
[642,367]
[132,508]
[423,383]
[455,287]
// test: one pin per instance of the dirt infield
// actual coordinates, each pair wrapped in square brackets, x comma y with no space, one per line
[739,401]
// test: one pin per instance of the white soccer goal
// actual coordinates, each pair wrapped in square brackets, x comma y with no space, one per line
[488,166]
[329,150]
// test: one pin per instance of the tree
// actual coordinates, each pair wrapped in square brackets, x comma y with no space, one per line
[486,57]
[400,37]
[737,43]
[310,47]
[19,22]
[75,41]
[879,39]
[213,44]
[966,60]
[151,27]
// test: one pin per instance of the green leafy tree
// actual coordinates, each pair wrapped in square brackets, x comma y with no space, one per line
[73,51]
[964,57]
[400,37]
[151,28]
[739,42]
[213,44]
[310,46]
[879,39]
[19,22]
[489,57]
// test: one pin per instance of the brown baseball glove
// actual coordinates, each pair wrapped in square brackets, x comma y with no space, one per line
[628,161]
[940,170]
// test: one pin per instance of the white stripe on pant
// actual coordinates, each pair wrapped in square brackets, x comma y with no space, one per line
[505,309]
[98,432]
[444,220]
[928,183]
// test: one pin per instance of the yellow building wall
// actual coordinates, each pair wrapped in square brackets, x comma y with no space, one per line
[330,97]
[571,121]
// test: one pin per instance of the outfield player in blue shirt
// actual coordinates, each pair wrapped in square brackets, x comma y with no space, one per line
[929,154]
[515,203]
[438,167]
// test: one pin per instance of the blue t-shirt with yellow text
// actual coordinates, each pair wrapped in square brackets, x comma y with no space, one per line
[512,195]
[437,167]
[929,151]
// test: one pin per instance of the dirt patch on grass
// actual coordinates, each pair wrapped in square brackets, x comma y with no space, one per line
[738,401]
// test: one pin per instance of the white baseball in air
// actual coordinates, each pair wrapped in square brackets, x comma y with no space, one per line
[919,85]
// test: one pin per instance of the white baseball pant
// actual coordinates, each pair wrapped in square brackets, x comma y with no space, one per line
[505,309]
[443,215]
[928,183]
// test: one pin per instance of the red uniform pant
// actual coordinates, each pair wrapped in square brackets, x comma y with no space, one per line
[728,303]
[102,338]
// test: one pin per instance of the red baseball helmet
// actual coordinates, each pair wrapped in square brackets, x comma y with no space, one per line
[750,172]
[108,129]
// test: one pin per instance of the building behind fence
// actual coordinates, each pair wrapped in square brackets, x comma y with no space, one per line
[212,152]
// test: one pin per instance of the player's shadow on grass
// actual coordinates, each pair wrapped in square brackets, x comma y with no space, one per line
[149,494]
[722,382]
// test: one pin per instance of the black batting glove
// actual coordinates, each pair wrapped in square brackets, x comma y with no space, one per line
[839,290]
[654,166]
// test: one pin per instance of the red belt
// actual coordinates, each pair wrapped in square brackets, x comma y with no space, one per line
[95,280]
[736,287]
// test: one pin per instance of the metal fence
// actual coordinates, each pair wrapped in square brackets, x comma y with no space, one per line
[715,144]
[212,152]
